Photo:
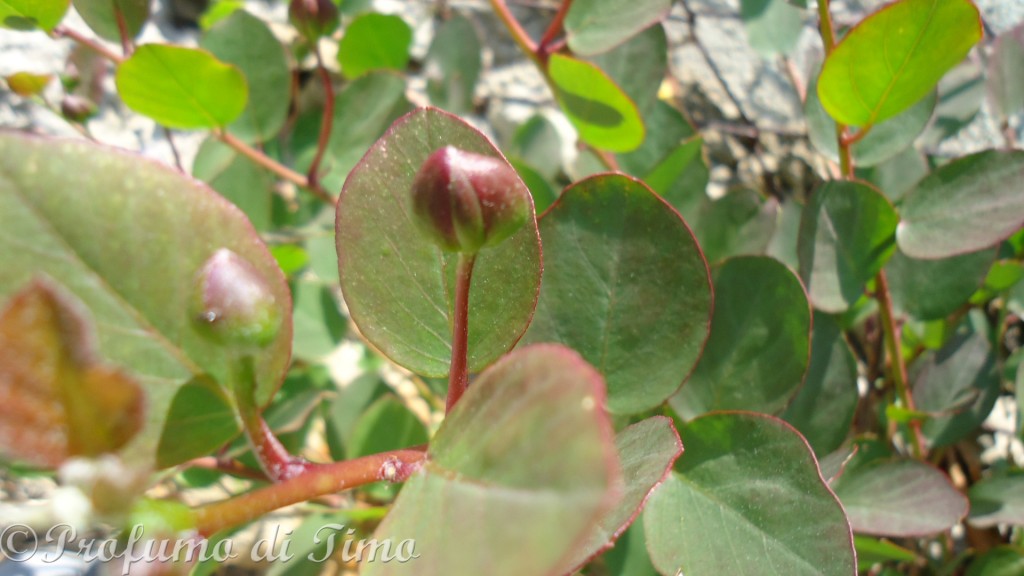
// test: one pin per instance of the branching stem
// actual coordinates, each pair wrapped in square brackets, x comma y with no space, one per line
[270,164]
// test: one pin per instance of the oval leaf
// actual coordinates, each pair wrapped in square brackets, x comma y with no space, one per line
[453,65]
[32,14]
[773,26]
[901,498]
[127,236]
[846,235]
[602,114]
[894,57]
[600,25]
[967,205]
[758,351]
[528,445]
[398,285]
[374,42]
[747,498]
[624,279]
[1006,73]
[245,41]
[181,87]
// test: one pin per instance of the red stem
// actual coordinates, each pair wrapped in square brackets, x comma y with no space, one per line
[93,45]
[899,366]
[265,161]
[318,480]
[458,376]
[313,175]
[122,29]
[519,35]
[544,47]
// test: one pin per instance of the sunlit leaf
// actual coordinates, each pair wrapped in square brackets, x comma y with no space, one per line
[374,42]
[181,87]
[894,57]
[602,114]
[32,14]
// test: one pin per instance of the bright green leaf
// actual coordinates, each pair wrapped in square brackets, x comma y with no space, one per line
[601,112]
[200,420]
[624,279]
[894,57]
[32,14]
[181,87]
[747,498]
[374,42]
[394,278]
[759,348]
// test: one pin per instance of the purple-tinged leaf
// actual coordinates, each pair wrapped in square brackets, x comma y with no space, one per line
[398,285]
[517,476]
[964,206]
[747,498]
[127,236]
[902,498]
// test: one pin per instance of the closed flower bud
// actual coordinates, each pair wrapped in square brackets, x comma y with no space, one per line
[313,18]
[465,201]
[76,108]
[233,304]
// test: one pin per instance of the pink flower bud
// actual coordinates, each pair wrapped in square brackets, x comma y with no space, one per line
[465,201]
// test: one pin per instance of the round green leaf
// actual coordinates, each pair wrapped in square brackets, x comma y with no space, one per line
[846,235]
[739,223]
[528,445]
[599,25]
[601,112]
[934,289]
[127,237]
[624,279]
[638,66]
[967,205]
[101,16]
[747,498]
[387,424]
[884,141]
[823,410]
[894,57]
[245,41]
[235,177]
[181,87]
[902,498]
[759,348]
[318,323]
[374,42]
[398,284]
[32,14]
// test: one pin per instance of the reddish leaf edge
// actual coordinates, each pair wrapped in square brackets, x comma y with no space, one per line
[395,126]
[700,252]
[814,460]
[643,502]
[252,237]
